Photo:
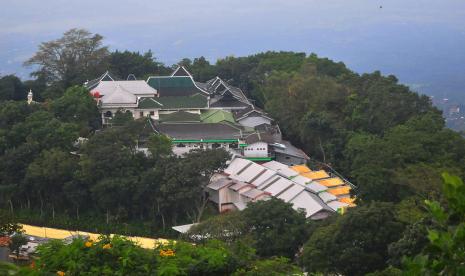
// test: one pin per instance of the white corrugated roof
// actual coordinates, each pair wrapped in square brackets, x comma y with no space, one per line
[252,193]
[278,186]
[119,95]
[280,168]
[290,193]
[240,205]
[272,179]
[219,183]
[337,204]
[183,228]
[236,165]
[135,87]
[263,177]
[316,187]
[327,197]
[309,202]
[301,180]
[249,173]
[240,185]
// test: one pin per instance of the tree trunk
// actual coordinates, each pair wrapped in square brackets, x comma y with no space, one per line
[77,212]
[201,209]
[11,207]
[41,205]
[108,216]
[322,150]
[53,211]
[163,221]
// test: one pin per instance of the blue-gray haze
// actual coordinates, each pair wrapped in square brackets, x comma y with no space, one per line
[420,41]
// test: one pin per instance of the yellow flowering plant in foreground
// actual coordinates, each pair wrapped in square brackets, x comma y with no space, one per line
[104,256]
[167,253]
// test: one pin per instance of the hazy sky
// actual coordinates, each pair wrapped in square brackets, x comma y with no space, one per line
[421,41]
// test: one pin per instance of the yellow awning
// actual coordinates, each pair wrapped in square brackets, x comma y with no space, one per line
[344,190]
[348,200]
[301,168]
[314,175]
[331,182]
[59,234]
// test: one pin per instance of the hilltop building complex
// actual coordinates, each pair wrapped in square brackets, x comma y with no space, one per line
[196,115]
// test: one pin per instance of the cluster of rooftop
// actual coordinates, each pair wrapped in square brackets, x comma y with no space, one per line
[318,193]
[196,115]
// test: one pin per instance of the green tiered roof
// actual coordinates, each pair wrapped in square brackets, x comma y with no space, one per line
[180,116]
[216,116]
[193,101]
[174,86]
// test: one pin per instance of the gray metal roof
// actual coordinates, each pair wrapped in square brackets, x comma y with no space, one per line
[240,205]
[197,131]
[220,183]
[239,185]
[253,193]
[290,150]
[183,228]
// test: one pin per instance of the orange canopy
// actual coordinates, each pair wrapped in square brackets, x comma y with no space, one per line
[301,168]
[344,190]
[331,182]
[348,200]
[314,175]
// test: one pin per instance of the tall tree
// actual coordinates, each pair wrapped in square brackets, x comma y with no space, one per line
[445,252]
[12,88]
[49,172]
[77,106]
[356,242]
[140,65]
[277,229]
[72,59]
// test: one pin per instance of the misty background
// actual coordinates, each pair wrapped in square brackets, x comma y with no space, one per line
[422,42]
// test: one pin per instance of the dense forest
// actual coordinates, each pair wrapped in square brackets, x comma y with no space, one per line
[386,139]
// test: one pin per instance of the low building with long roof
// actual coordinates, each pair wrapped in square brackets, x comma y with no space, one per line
[245,181]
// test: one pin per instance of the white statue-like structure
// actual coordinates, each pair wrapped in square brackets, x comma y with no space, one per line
[30,97]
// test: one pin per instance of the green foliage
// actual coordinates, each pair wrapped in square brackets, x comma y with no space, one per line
[159,145]
[70,60]
[17,240]
[122,118]
[274,266]
[356,242]
[211,259]
[13,270]
[406,160]
[277,228]
[228,227]
[200,68]
[124,63]
[11,88]
[77,106]
[8,226]
[445,253]
[412,242]
[106,256]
